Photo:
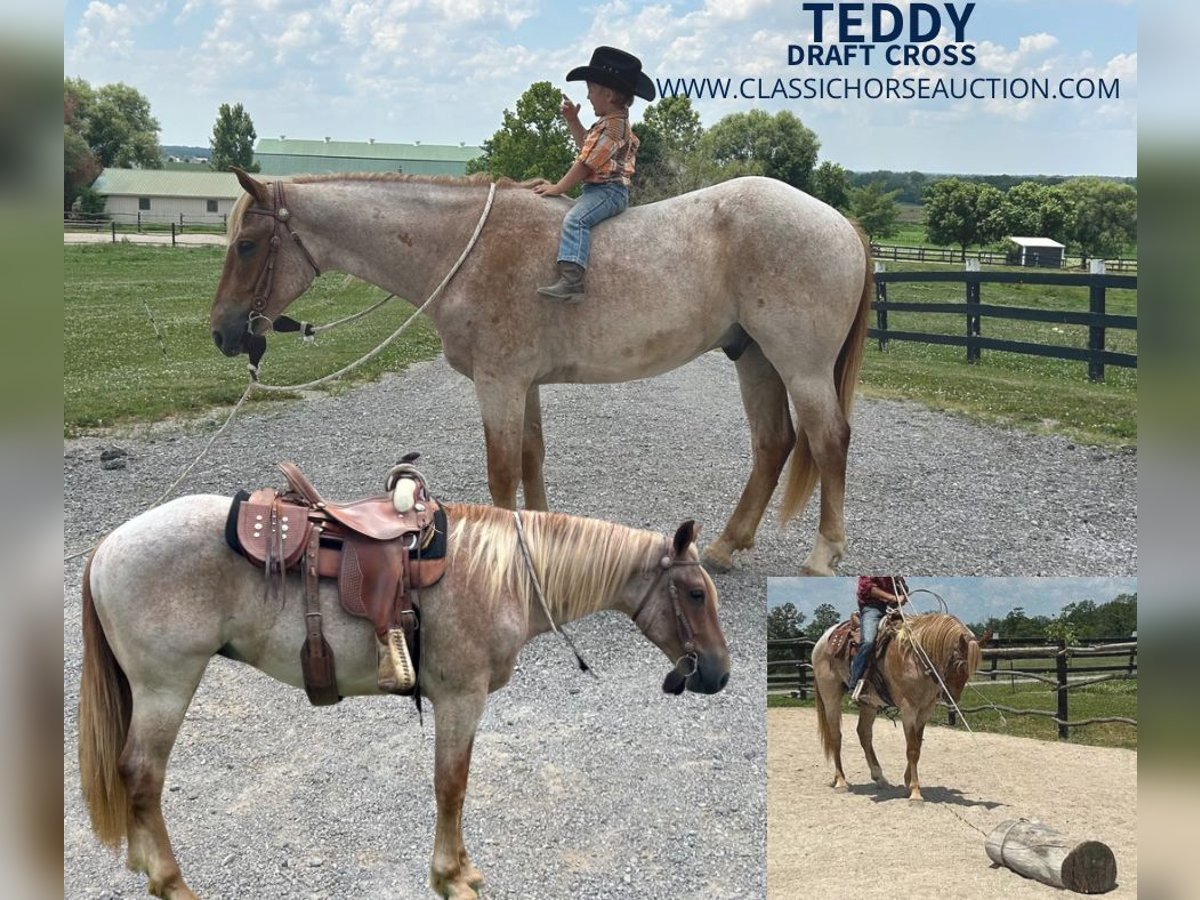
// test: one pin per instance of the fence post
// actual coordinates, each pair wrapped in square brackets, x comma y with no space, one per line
[881,307]
[113,223]
[1060,667]
[972,265]
[1096,332]
[173,234]
[801,674]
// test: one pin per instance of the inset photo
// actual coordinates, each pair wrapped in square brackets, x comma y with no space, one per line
[951,736]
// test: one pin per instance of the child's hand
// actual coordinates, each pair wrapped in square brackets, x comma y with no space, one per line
[547,190]
[569,110]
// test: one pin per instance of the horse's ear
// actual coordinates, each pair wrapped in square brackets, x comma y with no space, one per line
[685,535]
[251,186]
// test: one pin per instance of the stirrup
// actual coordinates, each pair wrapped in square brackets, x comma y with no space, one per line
[395,673]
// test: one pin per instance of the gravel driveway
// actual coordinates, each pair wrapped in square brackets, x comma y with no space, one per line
[593,789]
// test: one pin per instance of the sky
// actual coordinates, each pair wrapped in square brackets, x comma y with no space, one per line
[970,599]
[443,71]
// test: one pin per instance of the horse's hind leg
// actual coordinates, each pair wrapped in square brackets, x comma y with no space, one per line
[827,437]
[829,721]
[533,453]
[866,729]
[771,438]
[158,710]
[914,736]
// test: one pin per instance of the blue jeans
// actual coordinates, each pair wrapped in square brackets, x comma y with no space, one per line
[597,203]
[871,617]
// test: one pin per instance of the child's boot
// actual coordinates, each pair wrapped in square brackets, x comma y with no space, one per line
[569,285]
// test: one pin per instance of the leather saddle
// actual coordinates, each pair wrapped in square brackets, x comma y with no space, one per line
[381,550]
[846,638]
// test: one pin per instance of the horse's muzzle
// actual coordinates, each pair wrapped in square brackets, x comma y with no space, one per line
[706,675]
[229,336]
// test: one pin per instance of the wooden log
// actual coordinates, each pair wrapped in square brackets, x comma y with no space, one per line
[1038,851]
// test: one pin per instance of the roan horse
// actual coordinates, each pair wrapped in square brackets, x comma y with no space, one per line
[778,280]
[949,646]
[164,593]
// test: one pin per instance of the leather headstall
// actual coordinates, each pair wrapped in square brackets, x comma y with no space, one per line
[683,628]
[266,275]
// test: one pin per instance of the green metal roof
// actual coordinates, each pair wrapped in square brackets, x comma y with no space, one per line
[367,150]
[164,183]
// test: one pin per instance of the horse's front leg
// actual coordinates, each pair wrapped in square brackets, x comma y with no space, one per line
[533,453]
[502,406]
[914,735]
[866,728]
[456,717]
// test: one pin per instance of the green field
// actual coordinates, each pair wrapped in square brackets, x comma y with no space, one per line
[1113,698]
[118,371]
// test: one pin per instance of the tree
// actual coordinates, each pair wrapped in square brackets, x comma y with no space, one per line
[533,142]
[756,143]
[120,129]
[80,165]
[784,622]
[1102,216]
[963,213]
[874,210]
[824,617]
[232,142]
[668,137]
[831,184]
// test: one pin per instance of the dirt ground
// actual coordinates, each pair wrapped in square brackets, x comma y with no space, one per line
[872,842]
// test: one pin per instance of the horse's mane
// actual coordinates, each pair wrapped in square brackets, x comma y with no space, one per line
[478,179]
[581,563]
[938,635]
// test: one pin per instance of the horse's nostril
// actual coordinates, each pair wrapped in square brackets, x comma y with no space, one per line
[724,681]
[217,339]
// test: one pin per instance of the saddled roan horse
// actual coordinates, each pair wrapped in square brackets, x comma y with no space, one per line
[924,644]
[778,280]
[164,593]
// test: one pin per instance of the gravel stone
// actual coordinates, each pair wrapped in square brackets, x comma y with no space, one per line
[580,787]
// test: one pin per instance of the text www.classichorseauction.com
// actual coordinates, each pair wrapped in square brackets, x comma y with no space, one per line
[906,88]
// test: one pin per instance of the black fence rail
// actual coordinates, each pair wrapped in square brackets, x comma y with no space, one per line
[214,223]
[973,310]
[1061,667]
[989,257]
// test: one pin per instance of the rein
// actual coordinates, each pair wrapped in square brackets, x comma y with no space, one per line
[266,275]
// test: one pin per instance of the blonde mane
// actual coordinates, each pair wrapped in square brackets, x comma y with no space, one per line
[937,634]
[581,563]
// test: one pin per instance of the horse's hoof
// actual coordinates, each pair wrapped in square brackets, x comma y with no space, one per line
[717,562]
[814,571]
[916,800]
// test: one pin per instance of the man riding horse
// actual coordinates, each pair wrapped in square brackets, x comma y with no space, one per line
[877,596]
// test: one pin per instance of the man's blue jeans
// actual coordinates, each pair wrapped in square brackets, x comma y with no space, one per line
[597,203]
[871,617]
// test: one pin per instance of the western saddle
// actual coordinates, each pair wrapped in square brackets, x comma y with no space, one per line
[846,638]
[381,549]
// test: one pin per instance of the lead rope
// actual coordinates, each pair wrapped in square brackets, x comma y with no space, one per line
[928,662]
[255,384]
[537,587]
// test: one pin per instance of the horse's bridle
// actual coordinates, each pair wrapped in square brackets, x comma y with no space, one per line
[266,275]
[683,628]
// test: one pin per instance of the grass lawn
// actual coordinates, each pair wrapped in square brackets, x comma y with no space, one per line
[118,371]
[1113,698]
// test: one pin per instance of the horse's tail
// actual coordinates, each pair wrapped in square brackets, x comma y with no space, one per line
[803,473]
[818,655]
[823,725]
[105,706]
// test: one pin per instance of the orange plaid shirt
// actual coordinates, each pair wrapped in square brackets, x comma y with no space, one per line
[609,150]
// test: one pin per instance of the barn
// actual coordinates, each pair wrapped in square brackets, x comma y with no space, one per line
[159,196]
[1037,251]
[288,156]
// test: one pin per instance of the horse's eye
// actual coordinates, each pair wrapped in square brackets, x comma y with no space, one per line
[697,594]
[245,248]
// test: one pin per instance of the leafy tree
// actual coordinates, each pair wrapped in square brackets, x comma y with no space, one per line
[1102,216]
[824,616]
[533,142]
[120,129]
[784,622]
[232,142]
[1033,209]
[875,211]
[667,163]
[756,143]
[831,183]
[963,213]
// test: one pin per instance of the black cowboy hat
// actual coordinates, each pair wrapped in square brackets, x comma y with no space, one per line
[615,69]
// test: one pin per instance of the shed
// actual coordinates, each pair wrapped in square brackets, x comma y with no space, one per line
[160,196]
[288,156]
[1038,251]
